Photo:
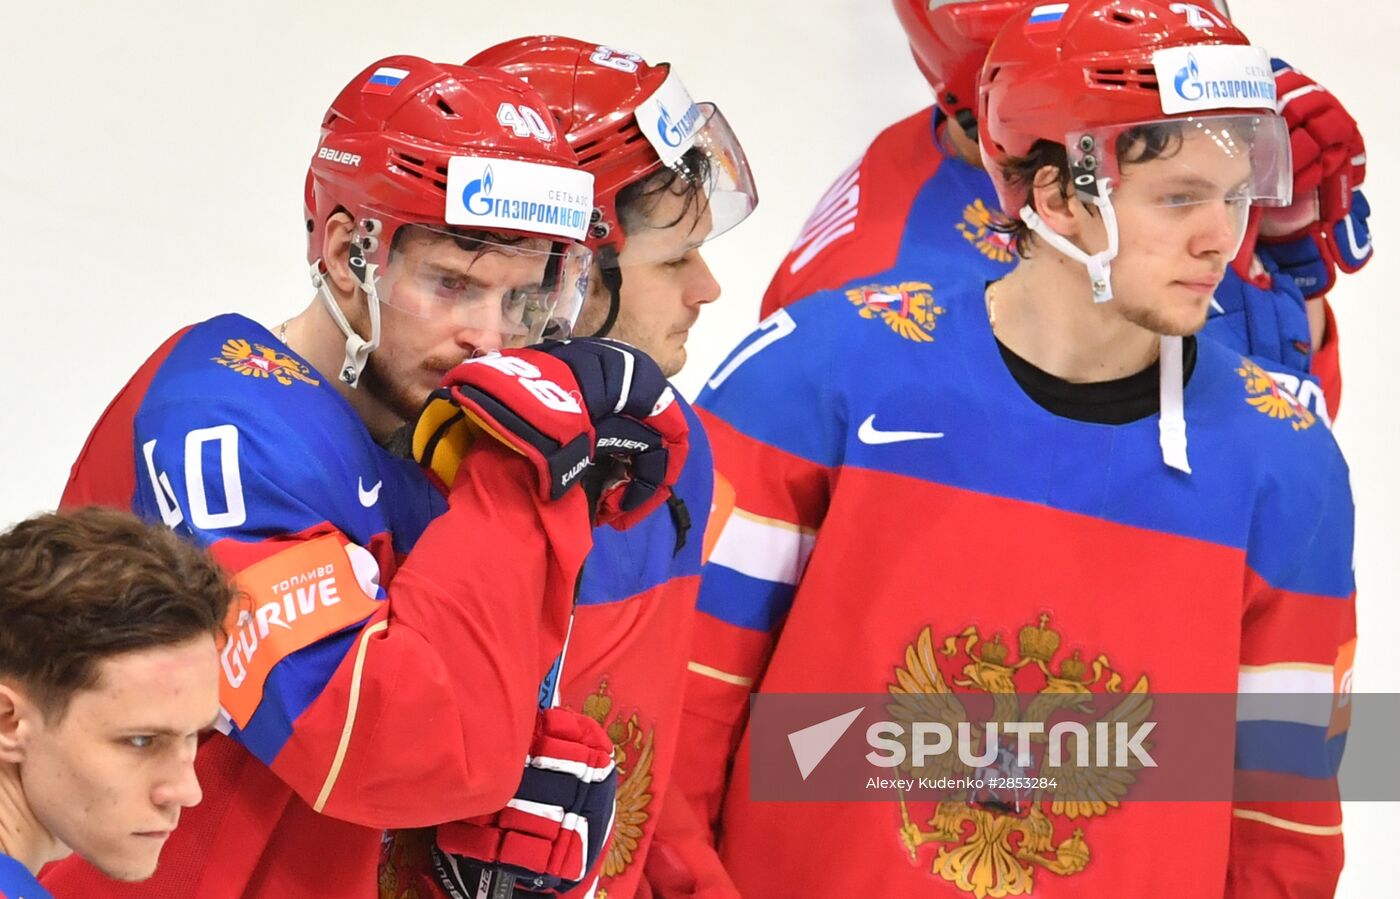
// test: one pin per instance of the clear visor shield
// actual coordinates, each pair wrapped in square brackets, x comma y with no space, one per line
[514,290]
[712,191]
[728,182]
[1203,171]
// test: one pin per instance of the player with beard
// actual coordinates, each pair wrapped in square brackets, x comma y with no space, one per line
[386,669]
[669,176]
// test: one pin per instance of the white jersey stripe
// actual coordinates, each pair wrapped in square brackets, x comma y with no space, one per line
[764,549]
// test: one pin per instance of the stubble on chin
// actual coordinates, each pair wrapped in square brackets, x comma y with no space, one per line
[1167,325]
[405,401]
[673,363]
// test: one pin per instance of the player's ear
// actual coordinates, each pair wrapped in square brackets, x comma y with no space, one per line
[335,253]
[1056,206]
[16,714]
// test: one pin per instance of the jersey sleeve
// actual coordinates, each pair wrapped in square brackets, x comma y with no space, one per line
[856,227]
[385,693]
[1327,362]
[1298,641]
[806,268]
[774,429]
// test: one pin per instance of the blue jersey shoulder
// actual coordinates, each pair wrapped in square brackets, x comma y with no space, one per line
[236,436]
[903,375]
[775,385]
[1302,515]
[17,883]
[950,225]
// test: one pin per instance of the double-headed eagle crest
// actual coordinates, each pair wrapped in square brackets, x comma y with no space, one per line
[632,753]
[994,842]
[907,308]
[1264,394]
[976,228]
[258,361]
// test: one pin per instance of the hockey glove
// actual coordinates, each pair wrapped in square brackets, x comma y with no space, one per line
[642,435]
[553,832]
[1269,322]
[524,398]
[1326,228]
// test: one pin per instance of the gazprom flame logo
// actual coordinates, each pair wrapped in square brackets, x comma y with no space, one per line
[476,195]
[1188,80]
[529,198]
[674,132]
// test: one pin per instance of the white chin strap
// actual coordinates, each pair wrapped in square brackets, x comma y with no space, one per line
[1100,280]
[357,349]
[1170,373]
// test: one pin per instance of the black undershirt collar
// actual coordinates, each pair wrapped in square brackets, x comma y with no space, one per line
[1115,402]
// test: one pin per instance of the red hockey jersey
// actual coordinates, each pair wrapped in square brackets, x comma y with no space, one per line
[383,668]
[903,514]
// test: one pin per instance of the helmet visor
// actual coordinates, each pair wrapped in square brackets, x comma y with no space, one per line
[729,183]
[519,289]
[704,192]
[1195,166]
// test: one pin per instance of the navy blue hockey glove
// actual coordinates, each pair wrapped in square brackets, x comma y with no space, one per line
[642,435]
[550,837]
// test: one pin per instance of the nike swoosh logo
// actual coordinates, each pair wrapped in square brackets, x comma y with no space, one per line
[371,496]
[868,434]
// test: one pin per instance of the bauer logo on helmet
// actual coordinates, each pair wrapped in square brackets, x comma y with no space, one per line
[339,156]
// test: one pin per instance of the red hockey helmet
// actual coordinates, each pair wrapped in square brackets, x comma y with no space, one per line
[626,119]
[458,151]
[389,140]
[1178,87]
[1082,73]
[949,40]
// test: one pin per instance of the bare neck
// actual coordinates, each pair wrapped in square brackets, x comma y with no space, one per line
[22,837]
[960,143]
[1044,312]
[314,335]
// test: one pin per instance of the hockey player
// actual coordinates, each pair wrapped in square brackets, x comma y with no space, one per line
[108,673]
[669,175]
[919,188]
[945,489]
[385,671]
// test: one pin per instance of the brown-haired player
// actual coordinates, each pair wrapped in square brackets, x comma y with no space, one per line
[108,673]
